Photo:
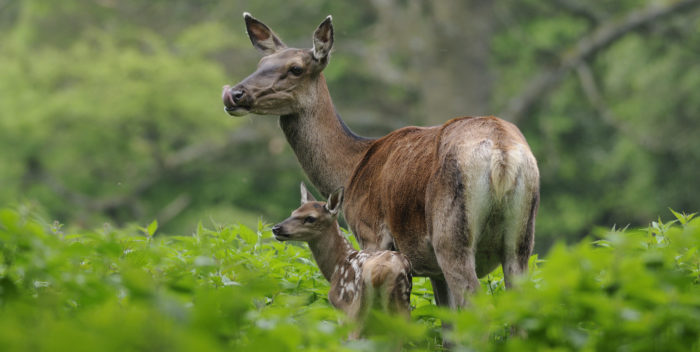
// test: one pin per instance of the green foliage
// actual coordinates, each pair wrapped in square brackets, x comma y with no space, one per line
[235,288]
[101,119]
[129,290]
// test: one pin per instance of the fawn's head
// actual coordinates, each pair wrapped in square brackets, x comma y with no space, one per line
[286,78]
[312,219]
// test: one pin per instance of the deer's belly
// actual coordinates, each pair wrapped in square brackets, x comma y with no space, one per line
[421,255]
[414,246]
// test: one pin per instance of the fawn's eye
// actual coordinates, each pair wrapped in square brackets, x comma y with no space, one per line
[309,219]
[296,70]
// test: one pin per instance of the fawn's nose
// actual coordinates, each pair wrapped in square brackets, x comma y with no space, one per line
[277,229]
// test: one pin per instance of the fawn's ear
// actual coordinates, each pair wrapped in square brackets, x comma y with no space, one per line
[262,36]
[335,201]
[323,40]
[306,196]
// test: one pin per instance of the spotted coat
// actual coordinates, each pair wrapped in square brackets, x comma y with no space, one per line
[366,279]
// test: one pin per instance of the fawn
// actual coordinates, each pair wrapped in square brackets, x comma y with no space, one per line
[359,280]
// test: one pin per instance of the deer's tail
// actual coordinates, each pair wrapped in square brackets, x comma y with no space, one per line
[506,166]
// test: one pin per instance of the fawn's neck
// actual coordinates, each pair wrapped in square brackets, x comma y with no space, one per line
[330,250]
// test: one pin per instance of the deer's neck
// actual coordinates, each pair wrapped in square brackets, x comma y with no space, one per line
[325,147]
[330,251]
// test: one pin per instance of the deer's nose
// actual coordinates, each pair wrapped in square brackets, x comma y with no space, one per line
[238,94]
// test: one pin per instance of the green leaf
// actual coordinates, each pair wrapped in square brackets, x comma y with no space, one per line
[151,229]
[683,218]
[248,235]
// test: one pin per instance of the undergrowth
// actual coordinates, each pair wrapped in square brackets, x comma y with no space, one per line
[236,288]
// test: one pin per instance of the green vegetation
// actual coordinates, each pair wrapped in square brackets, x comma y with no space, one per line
[234,288]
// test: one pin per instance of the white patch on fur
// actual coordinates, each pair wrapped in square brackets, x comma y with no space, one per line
[505,166]
[477,184]
[515,219]
[355,266]
[517,211]
[351,287]
[319,53]
[491,174]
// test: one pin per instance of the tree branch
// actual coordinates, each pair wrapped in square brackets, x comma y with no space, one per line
[578,9]
[592,93]
[587,47]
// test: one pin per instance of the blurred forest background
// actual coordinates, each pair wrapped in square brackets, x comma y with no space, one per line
[110,111]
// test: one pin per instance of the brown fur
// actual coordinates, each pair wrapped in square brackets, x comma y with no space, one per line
[456,199]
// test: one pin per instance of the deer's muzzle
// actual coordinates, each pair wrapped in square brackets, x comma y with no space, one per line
[236,100]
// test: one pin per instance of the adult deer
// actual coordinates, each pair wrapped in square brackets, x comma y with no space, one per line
[456,199]
[360,280]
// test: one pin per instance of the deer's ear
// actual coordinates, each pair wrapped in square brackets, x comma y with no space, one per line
[323,40]
[262,36]
[306,196]
[335,201]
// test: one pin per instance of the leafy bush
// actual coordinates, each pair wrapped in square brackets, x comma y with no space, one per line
[632,291]
[235,288]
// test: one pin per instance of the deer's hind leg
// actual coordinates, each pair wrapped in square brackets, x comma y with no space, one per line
[357,313]
[454,230]
[400,295]
[519,231]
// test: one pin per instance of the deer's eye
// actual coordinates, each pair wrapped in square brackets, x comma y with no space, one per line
[296,70]
[309,219]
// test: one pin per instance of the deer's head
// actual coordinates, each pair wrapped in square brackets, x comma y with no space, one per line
[285,80]
[312,219]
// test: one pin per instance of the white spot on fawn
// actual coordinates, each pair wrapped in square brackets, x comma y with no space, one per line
[355,266]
